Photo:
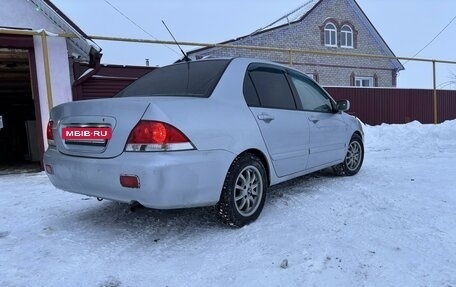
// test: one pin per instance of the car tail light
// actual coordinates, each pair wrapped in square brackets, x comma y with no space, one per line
[157,136]
[50,133]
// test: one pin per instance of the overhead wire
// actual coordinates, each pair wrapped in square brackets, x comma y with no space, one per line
[433,39]
[137,25]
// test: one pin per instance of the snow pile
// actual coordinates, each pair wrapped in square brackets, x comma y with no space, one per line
[415,136]
[394,224]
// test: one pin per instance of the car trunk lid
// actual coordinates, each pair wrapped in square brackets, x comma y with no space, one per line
[118,114]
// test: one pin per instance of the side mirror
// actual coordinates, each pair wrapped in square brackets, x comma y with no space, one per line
[343,105]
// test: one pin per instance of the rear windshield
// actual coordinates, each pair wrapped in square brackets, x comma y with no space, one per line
[190,79]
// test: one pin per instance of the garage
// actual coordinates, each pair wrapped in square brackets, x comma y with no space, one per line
[19,106]
[45,60]
[35,75]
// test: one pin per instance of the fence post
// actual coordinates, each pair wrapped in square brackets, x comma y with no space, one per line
[435,92]
[291,57]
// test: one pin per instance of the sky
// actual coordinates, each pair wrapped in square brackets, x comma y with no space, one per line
[406,26]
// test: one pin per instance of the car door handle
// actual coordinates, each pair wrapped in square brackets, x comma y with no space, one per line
[265,117]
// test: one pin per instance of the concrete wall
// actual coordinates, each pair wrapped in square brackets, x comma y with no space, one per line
[306,35]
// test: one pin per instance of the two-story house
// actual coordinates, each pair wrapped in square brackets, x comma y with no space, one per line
[337,26]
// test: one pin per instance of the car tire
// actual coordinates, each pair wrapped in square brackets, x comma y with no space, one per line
[244,191]
[353,159]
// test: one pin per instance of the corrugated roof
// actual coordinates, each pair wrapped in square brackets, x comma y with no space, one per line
[292,16]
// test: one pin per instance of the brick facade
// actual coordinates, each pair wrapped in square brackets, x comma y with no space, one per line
[307,33]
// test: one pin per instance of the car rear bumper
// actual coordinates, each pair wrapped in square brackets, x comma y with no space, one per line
[167,179]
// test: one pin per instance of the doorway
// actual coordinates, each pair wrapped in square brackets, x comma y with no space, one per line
[19,137]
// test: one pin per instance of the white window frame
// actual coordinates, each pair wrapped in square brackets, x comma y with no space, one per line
[332,35]
[345,36]
[359,81]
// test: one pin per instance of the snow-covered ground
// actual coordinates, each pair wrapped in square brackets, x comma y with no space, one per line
[394,224]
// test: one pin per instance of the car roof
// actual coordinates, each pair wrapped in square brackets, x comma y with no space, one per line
[247,61]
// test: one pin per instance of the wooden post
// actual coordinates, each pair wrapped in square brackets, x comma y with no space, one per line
[47,70]
[291,57]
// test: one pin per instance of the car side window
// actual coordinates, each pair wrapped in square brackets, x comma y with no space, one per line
[273,88]
[311,96]
[250,94]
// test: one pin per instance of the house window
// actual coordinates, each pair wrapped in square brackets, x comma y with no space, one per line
[346,37]
[330,35]
[364,81]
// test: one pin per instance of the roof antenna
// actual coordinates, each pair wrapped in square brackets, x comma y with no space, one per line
[186,58]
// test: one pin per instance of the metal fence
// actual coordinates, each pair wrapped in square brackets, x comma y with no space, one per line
[396,106]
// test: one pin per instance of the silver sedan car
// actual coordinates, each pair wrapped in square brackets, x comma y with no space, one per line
[214,132]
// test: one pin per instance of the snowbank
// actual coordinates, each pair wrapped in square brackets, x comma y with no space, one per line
[394,224]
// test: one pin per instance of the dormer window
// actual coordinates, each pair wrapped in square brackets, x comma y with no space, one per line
[346,37]
[330,35]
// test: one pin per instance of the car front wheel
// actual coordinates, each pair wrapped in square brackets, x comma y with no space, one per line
[244,191]
[353,159]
